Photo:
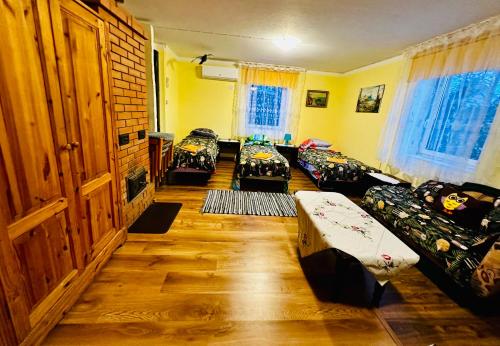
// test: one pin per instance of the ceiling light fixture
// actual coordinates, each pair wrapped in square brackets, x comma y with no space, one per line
[286,43]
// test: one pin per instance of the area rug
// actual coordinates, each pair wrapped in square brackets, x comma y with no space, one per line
[157,218]
[249,203]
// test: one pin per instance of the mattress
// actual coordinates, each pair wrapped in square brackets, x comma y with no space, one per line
[275,165]
[202,158]
[328,166]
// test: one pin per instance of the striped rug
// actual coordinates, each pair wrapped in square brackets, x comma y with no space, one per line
[249,203]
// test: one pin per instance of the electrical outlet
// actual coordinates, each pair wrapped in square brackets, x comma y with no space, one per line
[123,139]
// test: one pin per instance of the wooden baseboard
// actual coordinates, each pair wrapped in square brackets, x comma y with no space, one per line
[73,292]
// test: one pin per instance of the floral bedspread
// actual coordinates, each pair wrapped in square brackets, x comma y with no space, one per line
[274,166]
[330,220]
[455,247]
[204,159]
[317,162]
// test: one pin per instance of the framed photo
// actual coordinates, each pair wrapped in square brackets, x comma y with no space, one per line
[317,98]
[369,99]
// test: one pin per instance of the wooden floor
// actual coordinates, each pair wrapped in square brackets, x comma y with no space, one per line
[227,279]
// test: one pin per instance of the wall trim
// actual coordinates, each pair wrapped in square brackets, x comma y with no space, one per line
[215,62]
[324,73]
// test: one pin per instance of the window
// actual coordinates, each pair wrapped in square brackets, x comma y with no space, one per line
[456,113]
[267,106]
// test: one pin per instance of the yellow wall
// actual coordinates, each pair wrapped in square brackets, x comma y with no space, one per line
[319,122]
[190,101]
[203,102]
[358,134]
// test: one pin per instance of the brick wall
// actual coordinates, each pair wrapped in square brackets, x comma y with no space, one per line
[126,41]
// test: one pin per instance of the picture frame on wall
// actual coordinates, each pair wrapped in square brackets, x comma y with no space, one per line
[369,99]
[317,98]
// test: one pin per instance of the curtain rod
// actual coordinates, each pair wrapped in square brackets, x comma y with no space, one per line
[271,66]
[489,24]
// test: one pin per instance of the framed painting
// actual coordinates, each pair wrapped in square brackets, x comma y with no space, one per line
[370,98]
[317,98]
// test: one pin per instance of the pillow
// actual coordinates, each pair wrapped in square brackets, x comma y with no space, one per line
[258,140]
[315,143]
[320,143]
[257,137]
[429,190]
[465,210]
[204,132]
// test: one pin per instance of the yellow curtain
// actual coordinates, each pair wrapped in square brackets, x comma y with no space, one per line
[473,54]
[263,76]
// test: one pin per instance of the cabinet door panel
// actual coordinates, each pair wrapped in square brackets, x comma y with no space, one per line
[35,251]
[29,156]
[82,45]
[45,257]
[80,40]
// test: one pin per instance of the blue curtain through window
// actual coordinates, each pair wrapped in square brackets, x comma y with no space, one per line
[265,105]
[449,119]
[462,97]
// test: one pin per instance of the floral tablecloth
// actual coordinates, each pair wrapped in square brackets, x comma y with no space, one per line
[330,220]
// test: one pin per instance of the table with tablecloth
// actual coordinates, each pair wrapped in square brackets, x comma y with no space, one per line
[329,220]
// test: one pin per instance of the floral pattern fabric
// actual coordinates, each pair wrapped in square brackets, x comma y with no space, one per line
[204,132]
[275,166]
[491,222]
[325,170]
[456,248]
[429,190]
[204,159]
[330,220]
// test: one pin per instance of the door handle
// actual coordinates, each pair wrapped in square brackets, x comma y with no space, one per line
[75,145]
[66,147]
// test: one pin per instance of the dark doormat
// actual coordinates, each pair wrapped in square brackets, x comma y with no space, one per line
[157,218]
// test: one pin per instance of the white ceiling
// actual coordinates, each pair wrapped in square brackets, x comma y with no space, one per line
[335,35]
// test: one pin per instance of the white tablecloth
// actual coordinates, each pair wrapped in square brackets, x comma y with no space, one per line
[330,220]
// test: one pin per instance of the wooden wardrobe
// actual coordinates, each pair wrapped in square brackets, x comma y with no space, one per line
[59,218]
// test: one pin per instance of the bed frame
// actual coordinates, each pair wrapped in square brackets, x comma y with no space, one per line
[264,183]
[357,188]
[188,176]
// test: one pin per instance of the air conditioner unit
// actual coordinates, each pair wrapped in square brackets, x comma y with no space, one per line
[219,72]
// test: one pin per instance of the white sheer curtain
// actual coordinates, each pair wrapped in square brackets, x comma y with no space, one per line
[267,101]
[444,122]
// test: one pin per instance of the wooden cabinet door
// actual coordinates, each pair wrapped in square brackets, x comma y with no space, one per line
[80,44]
[36,262]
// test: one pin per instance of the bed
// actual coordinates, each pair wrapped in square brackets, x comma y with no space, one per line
[194,158]
[332,171]
[261,168]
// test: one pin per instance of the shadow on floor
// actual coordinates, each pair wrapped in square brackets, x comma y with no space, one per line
[340,278]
